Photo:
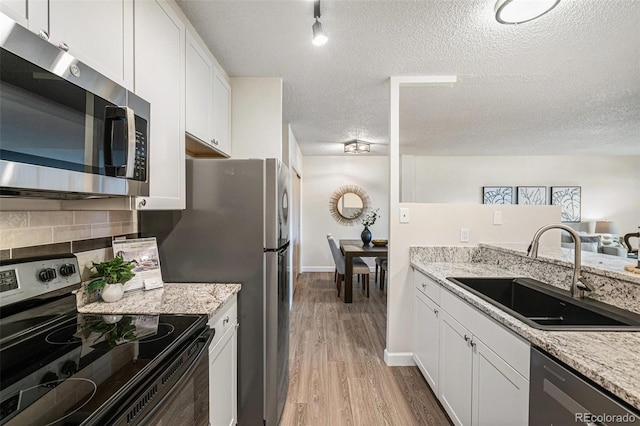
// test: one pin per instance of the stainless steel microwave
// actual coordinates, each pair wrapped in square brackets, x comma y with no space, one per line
[66,131]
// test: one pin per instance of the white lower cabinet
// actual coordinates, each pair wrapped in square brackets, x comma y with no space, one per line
[426,339]
[478,369]
[223,367]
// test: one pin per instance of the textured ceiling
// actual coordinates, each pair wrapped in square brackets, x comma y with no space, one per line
[567,83]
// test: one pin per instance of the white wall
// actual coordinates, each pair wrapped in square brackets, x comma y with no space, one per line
[323,176]
[256,118]
[610,184]
[439,225]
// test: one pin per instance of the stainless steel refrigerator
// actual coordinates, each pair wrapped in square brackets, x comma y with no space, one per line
[236,229]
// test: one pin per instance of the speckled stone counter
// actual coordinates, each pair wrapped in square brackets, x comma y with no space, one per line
[611,359]
[173,298]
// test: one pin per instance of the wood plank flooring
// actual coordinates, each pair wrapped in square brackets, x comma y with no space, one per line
[337,372]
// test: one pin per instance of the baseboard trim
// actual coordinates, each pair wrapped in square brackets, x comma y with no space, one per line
[399,359]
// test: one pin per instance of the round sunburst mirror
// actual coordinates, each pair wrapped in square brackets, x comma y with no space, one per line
[348,203]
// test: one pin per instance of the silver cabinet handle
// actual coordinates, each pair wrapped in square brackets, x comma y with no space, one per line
[44,34]
[466,338]
[424,285]
[435,311]
[63,46]
[473,344]
[215,142]
[226,320]
[142,203]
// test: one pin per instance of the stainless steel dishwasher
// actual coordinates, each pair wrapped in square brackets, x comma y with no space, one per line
[559,396]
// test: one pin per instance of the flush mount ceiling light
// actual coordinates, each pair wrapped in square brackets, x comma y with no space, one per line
[357,146]
[319,36]
[520,11]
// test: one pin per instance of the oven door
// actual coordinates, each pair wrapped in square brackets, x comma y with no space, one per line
[177,394]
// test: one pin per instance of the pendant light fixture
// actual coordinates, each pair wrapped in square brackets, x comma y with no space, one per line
[319,36]
[520,11]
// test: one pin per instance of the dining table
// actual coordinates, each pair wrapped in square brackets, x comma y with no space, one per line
[355,248]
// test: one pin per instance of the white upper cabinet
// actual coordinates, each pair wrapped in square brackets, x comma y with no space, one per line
[199,113]
[221,112]
[208,98]
[159,79]
[98,33]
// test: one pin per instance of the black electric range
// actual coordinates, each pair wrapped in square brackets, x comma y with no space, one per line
[58,367]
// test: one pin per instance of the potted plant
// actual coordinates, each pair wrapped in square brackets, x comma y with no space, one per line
[110,277]
[368,220]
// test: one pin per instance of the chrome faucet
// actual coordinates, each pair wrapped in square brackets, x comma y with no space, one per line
[578,283]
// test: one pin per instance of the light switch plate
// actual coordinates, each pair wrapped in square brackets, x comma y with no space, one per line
[464,235]
[404,215]
[497,217]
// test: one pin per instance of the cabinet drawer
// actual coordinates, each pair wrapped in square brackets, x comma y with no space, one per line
[224,320]
[426,285]
[506,344]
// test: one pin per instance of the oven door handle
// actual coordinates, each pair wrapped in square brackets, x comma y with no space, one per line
[204,342]
[567,402]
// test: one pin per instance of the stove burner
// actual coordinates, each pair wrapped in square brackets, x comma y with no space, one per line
[65,335]
[84,389]
[164,330]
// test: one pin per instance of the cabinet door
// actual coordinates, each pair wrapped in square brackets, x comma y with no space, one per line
[199,83]
[426,338]
[98,33]
[159,79]
[455,372]
[500,393]
[223,380]
[221,113]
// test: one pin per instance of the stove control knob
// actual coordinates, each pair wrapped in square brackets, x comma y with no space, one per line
[67,270]
[47,274]
[69,368]
[49,380]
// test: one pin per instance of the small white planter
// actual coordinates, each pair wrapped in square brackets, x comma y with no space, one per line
[112,292]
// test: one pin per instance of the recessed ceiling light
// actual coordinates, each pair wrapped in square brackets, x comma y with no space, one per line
[520,11]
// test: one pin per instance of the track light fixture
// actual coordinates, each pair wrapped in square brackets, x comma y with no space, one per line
[319,36]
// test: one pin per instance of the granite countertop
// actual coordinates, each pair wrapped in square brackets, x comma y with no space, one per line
[610,359]
[173,298]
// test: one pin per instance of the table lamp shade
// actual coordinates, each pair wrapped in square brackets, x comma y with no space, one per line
[606,227]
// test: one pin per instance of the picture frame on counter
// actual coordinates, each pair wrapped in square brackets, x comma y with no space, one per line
[144,251]
[531,195]
[497,195]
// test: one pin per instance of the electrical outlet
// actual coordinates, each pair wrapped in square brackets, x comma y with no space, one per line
[497,217]
[464,235]
[404,215]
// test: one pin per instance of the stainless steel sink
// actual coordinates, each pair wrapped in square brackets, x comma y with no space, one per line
[548,308]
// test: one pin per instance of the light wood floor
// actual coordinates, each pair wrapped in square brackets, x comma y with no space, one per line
[337,372]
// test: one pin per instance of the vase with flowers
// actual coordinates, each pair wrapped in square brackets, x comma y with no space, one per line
[368,220]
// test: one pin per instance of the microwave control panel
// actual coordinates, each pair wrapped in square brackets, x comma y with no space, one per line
[140,165]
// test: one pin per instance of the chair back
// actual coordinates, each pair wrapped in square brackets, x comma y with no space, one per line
[338,258]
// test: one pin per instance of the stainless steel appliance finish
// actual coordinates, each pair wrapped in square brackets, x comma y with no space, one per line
[236,229]
[66,130]
[559,396]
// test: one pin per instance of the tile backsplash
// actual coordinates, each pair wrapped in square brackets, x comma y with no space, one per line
[24,233]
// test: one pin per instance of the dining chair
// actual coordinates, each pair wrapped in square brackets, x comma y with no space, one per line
[379,261]
[384,264]
[359,266]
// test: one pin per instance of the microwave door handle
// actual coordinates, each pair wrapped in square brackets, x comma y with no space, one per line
[131,143]
[113,114]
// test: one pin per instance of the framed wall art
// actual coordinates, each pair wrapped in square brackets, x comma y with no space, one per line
[497,195]
[569,198]
[532,195]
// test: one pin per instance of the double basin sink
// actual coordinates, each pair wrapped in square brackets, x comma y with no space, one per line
[544,307]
